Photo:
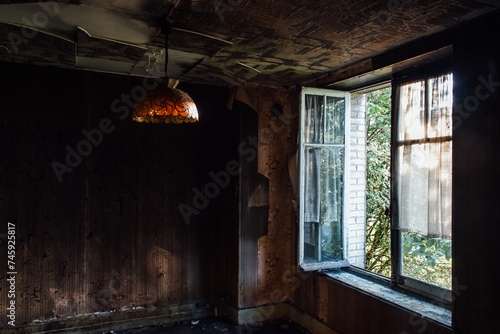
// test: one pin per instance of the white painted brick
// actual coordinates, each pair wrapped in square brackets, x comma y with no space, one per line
[361,219]
[357,239]
[361,141]
[356,252]
[358,121]
[359,215]
[357,187]
[357,227]
[357,175]
[358,200]
[360,168]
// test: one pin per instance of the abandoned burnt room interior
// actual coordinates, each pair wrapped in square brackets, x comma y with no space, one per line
[256,211]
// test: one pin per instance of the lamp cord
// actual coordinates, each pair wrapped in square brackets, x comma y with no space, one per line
[165,29]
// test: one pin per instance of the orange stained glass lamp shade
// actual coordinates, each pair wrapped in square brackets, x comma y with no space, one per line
[166,105]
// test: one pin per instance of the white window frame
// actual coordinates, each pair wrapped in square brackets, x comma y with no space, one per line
[397,280]
[309,266]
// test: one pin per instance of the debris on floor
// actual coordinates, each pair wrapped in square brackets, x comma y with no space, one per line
[214,325]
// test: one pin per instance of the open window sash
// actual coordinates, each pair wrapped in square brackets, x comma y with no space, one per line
[324,141]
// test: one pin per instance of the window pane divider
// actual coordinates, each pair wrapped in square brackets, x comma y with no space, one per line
[424,140]
[324,145]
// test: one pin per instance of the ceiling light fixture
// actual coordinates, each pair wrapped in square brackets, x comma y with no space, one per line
[166,104]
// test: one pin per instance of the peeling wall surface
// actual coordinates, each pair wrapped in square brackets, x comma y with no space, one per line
[277,142]
[273,250]
[108,234]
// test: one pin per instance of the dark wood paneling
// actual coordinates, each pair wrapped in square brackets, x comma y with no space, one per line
[254,216]
[110,235]
[476,180]
[347,310]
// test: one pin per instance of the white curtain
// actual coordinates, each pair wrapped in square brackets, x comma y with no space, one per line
[424,156]
[312,158]
[323,172]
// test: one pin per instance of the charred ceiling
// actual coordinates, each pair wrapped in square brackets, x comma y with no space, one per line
[220,42]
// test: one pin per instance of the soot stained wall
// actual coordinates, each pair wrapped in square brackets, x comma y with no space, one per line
[109,234]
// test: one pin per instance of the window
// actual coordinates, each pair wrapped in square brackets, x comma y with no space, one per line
[421,218]
[332,204]
[324,144]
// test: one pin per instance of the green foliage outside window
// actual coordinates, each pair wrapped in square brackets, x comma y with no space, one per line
[378,186]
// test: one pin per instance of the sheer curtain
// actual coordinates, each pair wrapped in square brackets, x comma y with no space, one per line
[424,156]
[313,134]
[323,166]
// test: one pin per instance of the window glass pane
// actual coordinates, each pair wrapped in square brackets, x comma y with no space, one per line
[314,120]
[423,166]
[412,111]
[335,120]
[427,259]
[441,100]
[423,174]
[312,188]
[323,207]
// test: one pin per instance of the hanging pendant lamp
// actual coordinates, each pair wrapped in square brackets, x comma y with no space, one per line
[166,104]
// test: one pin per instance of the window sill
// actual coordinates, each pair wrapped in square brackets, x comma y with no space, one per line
[425,309]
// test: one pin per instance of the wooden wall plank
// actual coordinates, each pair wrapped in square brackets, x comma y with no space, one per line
[476,165]
[110,236]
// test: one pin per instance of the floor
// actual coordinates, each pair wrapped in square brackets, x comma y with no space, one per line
[219,325]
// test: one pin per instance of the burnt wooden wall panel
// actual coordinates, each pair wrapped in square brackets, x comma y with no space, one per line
[267,225]
[351,311]
[46,214]
[110,236]
[476,180]
[276,144]
[253,220]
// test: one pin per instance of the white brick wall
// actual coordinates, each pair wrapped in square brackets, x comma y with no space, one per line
[357,189]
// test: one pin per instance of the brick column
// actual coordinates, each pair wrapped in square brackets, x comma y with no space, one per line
[357,191]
